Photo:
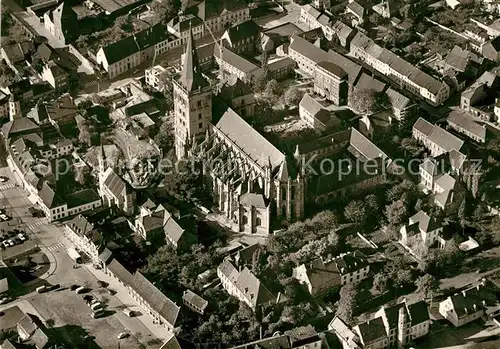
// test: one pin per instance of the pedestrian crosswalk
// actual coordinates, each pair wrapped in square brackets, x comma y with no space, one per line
[55,247]
[36,225]
[7,186]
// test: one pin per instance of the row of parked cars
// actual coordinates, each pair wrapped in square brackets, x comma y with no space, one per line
[12,238]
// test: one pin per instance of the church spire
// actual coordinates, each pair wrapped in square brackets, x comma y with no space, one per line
[191,77]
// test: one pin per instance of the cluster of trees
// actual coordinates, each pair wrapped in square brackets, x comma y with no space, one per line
[349,294]
[367,102]
[393,276]
[185,183]
[365,213]
[164,138]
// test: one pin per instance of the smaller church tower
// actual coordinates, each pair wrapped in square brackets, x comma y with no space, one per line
[192,101]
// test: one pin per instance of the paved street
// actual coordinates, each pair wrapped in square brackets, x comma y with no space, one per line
[65,307]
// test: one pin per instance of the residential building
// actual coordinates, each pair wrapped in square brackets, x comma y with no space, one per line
[163,311]
[491,50]
[85,237]
[242,37]
[464,124]
[322,4]
[207,16]
[16,55]
[128,53]
[62,22]
[421,230]
[245,286]
[281,68]
[357,13]
[194,302]
[300,337]
[319,276]
[438,176]
[232,64]
[394,326]
[307,56]
[9,106]
[400,104]
[479,97]
[55,76]
[256,160]
[344,33]
[274,37]
[409,77]
[309,16]
[437,140]
[386,8]
[479,301]
[460,60]
[113,189]
[315,115]
[330,81]
[157,77]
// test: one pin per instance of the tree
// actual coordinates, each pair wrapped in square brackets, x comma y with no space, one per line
[273,90]
[355,211]
[82,175]
[462,214]
[396,212]
[363,101]
[185,183]
[84,136]
[347,302]
[426,284]
[381,282]
[293,96]
[411,146]
[167,9]
[164,139]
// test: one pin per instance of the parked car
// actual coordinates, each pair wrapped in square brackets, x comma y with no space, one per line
[5,244]
[80,290]
[102,283]
[97,314]
[4,217]
[5,300]
[122,335]
[11,242]
[42,289]
[3,179]
[128,312]
[96,306]
[21,237]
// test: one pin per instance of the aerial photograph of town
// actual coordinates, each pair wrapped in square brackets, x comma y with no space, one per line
[250,174]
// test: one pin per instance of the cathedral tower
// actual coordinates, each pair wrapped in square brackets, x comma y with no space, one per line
[192,101]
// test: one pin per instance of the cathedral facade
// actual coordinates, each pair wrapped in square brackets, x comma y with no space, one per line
[252,182]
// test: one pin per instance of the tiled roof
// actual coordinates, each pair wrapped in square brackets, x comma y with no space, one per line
[321,274]
[458,58]
[173,230]
[352,69]
[351,261]
[397,100]
[155,298]
[425,222]
[49,197]
[342,30]
[275,342]
[444,139]
[175,342]
[446,182]
[356,8]
[235,60]
[120,272]
[4,285]
[228,270]
[253,289]
[474,299]
[301,333]
[365,147]
[333,69]
[464,121]
[243,30]
[80,225]
[372,330]
[366,82]
[423,126]
[419,312]
[126,47]
[194,299]
[115,183]
[246,138]
[17,126]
